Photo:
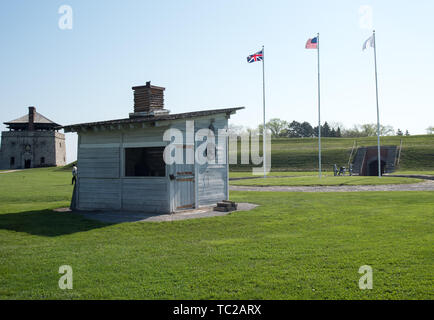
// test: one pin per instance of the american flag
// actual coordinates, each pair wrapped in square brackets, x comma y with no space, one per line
[312,43]
[258,56]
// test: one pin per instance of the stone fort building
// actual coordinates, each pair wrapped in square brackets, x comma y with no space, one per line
[32,141]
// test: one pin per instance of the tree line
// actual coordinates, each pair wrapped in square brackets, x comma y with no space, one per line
[283,129]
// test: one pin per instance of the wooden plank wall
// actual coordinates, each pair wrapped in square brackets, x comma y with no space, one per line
[101,182]
[99,194]
[145,194]
[99,162]
[212,178]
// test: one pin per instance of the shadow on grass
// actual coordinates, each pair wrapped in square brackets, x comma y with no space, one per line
[47,223]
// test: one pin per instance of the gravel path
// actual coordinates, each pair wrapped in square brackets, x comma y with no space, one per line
[8,171]
[421,186]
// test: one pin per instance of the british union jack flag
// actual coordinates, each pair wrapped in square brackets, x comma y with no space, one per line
[258,56]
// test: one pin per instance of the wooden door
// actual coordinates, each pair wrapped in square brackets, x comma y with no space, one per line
[184,188]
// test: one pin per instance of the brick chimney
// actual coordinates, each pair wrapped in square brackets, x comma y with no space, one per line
[148,100]
[32,111]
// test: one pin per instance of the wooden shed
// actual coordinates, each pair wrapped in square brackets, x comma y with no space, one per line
[121,165]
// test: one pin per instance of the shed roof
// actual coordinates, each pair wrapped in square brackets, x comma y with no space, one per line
[162,117]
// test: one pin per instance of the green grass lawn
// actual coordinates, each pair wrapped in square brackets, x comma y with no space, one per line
[324,181]
[427,172]
[244,174]
[301,154]
[293,246]
[35,188]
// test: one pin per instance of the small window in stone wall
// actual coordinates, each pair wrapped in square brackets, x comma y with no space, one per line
[12,161]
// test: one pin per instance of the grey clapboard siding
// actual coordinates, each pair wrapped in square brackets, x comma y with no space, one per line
[102,187]
[145,194]
[212,178]
[98,162]
[97,194]
[99,137]
[211,184]
[147,136]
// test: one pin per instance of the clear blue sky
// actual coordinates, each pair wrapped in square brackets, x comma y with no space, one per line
[197,50]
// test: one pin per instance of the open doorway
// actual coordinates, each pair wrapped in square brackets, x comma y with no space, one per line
[373,168]
[27,164]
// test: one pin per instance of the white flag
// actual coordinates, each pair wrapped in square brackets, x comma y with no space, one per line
[369,42]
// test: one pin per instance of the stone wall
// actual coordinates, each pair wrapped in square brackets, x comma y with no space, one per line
[32,148]
[365,155]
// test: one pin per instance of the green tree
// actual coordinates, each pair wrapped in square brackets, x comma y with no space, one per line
[386,130]
[276,127]
[369,129]
[353,132]
[294,130]
[325,130]
[333,133]
[306,129]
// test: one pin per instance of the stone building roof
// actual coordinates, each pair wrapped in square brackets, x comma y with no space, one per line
[39,118]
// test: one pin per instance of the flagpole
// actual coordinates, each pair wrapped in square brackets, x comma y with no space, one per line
[263,105]
[378,110]
[319,114]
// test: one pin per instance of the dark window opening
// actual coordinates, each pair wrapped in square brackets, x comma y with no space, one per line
[12,161]
[144,162]
[42,160]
